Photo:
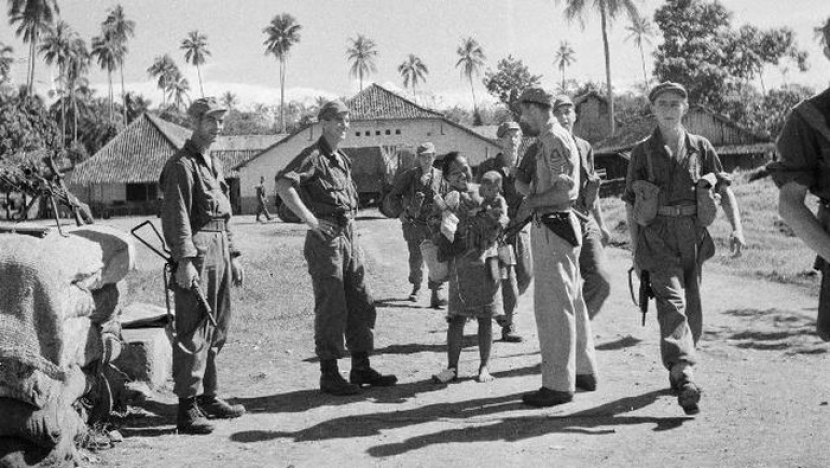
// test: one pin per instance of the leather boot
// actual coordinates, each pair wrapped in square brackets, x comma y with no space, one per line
[332,382]
[190,419]
[437,301]
[363,374]
[217,408]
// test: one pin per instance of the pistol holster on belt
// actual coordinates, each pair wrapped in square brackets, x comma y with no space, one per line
[561,225]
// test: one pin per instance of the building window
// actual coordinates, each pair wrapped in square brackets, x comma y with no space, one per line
[368,133]
[357,134]
[388,132]
[397,131]
[141,192]
[377,132]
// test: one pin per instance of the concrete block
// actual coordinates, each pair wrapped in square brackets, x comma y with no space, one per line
[147,356]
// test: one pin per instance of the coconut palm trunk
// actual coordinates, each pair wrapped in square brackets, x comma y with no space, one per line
[199,74]
[609,92]
[123,97]
[282,94]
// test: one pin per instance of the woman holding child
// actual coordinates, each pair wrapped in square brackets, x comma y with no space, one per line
[468,220]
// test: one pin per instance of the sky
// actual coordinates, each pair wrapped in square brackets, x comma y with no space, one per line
[431,29]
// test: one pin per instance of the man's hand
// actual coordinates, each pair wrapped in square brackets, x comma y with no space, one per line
[186,273]
[736,243]
[237,272]
[323,228]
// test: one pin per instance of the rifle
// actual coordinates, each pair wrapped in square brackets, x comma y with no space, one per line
[168,274]
[645,292]
[513,230]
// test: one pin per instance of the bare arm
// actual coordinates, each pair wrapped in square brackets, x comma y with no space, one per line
[596,211]
[633,229]
[730,207]
[289,196]
[803,222]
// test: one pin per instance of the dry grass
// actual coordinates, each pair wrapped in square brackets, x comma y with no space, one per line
[773,252]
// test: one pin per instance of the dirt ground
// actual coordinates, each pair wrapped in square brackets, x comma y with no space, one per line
[762,368]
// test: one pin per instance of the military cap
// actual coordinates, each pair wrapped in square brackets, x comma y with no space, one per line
[205,106]
[537,96]
[426,148]
[562,100]
[331,109]
[665,87]
[506,127]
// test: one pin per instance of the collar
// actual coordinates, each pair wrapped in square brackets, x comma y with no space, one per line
[658,143]
[194,150]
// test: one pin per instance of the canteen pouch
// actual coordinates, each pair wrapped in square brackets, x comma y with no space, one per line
[561,225]
[707,200]
[645,201]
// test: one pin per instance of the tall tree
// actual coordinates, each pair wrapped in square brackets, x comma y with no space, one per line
[6,60]
[229,100]
[120,30]
[823,36]
[136,105]
[195,51]
[564,58]
[163,69]
[412,71]
[77,84]
[640,31]
[281,34]
[34,17]
[470,60]
[362,52]
[179,92]
[608,11]
[509,81]
[105,50]
[57,48]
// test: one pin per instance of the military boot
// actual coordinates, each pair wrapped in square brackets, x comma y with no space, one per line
[363,374]
[190,419]
[437,301]
[413,296]
[332,382]
[217,408]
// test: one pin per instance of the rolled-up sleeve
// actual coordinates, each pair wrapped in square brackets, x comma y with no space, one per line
[798,153]
[300,170]
[177,184]
[712,164]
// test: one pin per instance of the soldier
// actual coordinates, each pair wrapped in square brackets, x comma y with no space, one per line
[550,188]
[317,186]
[195,219]
[506,164]
[804,149]
[261,200]
[596,280]
[672,178]
[414,190]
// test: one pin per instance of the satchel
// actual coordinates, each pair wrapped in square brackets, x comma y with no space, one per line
[646,197]
[561,225]
[707,200]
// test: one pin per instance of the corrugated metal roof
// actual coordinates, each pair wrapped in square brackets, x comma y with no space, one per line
[139,152]
[378,103]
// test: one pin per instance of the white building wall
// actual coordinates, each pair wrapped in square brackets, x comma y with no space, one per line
[99,193]
[400,133]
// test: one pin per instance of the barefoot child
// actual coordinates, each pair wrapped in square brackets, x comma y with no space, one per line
[469,231]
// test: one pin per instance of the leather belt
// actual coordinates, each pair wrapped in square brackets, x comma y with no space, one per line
[340,219]
[676,211]
[215,225]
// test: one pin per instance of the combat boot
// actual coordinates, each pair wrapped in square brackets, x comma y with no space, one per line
[190,419]
[332,382]
[413,296]
[437,301]
[363,374]
[217,408]
[509,335]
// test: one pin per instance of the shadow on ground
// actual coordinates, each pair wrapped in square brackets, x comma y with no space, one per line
[483,423]
[771,330]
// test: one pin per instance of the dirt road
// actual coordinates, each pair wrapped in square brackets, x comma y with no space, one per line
[763,371]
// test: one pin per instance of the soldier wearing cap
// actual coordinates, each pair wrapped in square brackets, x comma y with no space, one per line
[681,173]
[194,218]
[414,189]
[593,264]
[506,164]
[551,186]
[317,186]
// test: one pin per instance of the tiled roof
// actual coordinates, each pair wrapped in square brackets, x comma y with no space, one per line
[378,103]
[139,152]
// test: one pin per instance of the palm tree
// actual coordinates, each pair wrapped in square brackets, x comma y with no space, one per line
[281,34]
[229,100]
[136,105]
[179,91]
[76,81]
[120,29]
[195,51]
[470,59]
[823,36]
[163,69]
[608,10]
[564,58]
[641,30]
[106,52]
[6,61]
[35,17]
[362,53]
[57,48]
[413,70]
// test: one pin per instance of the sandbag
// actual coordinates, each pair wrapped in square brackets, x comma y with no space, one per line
[107,300]
[117,249]
[82,343]
[32,386]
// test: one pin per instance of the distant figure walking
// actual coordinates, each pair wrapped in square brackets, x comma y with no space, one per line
[262,201]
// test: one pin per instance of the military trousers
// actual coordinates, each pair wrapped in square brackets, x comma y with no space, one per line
[194,370]
[593,266]
[565,339]
[518,278]
[343,305]
[414,234]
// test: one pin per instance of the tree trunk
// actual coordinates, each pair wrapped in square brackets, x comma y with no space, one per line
[645,76]
[563,78]
[123,97]
[609,92]
[199,73]
[63,105]
[32,58]
[473,91]
[109,79]
[282,94]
